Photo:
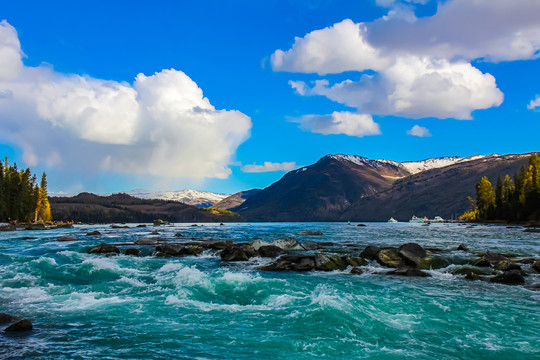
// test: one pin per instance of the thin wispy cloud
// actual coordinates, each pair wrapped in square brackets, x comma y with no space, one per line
[268,167]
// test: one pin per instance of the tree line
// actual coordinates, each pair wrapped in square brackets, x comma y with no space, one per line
[21,198]
[512,199]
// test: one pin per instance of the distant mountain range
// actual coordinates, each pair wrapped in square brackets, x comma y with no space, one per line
[190,197]
[348,187]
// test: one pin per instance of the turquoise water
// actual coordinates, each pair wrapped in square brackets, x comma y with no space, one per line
[91,306]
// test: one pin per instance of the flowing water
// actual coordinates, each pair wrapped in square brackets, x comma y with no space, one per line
[86,306]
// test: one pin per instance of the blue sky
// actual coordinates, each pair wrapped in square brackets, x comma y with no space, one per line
[276,82]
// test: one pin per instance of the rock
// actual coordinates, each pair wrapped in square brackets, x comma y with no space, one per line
[215,244]
[154,232]
[194,225]
[329,263]
[413,254]
[27,238]
[466,270]
[408,271]
[462,247]
[305,264]
[356,271]
[67,238]
[104,248]
[146,241]
[286,244]
[6,318]
[159,222]
[36,227]
[361,225]
[94,233]
[271,251]
[141,226]
[512,277]
[238,252]
[371,252]
[170,249]
[192,250]
[313,245]
[8,228]
[506,265]
[310,232]
[390,257]
[278,265]
[221,224]
[119,227]
[20,326]
[64,226]
[472,276]
[178,235]
[527,261]
[354,261]
[532,230]
[489,259]
[536,265]
[132,251]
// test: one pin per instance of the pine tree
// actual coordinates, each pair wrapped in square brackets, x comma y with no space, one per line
[45,208]
[485,199]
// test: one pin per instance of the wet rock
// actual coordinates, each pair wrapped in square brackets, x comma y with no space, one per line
[512,277]
[506,265]
[527,261]
[278,265]
[532,230]
[390,257]
[371,252]
[467,270]
[356,271]
[472,276]
[27,238]
[154,232]
[178,235]
[66,238]
[287,244]
[238,252]
[119,227]
[6,318]
[329,263]
[20,326]
[536,265]
[146,241]
[104,248]
[408,271]
[413,254]
[314,245]
[36,227]
[310,232]
[305,264]
[462,247]
[159,222]
[216,244]
[170,249]
[8,228]
[192,250]
[94,233]
[270,251]
[361,225]
[489,259]
[132,251]
[141,226]
[63,226]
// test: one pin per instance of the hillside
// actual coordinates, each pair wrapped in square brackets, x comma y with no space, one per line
[91,208]
[236,200]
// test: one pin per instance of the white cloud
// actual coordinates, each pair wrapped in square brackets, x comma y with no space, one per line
[534,104]
[160,125]
[419,131]
[418,67]
[268,167]
[345,122]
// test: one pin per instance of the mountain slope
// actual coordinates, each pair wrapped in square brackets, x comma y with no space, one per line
[236,200]
[190,197]
[322,191]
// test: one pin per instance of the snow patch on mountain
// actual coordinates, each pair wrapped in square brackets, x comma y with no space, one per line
[418,166]
[190,197]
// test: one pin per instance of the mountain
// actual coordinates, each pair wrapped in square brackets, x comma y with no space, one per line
[91,208]
[190,197]
[236,200]
[349,187]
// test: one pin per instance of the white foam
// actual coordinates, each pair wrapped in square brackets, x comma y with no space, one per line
[131,281]
[84,301]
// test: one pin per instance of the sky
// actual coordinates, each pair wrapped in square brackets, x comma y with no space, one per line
[225,96]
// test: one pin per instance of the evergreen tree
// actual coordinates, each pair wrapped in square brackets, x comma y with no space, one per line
[485,199]
[45,207]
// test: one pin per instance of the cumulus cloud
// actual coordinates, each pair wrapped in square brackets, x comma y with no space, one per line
[345,122]
[419,131]
[417,67]
[268,167]
[534,104]
[160,125]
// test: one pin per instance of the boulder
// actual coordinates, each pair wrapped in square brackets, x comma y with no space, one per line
[66,238]
[64,226]
[159,222]
[512,277]
[356,271]
[310,232]
[467,270]
[532,230]
[408,271]
[154,232]
[192,250]
[315,245]
[490,259]
[462,247]
[536,265]
[119,227]
[20,326]
[413,254]
[354,261]
[36,227]
[104,248]
[287,244]
[238,252]
[132,251]
[472,276]
[146,241]
[6,318]
[371,252]
[506,265]
[141,226]
[216,244]
[178,235]
[170,249]
[361,225]
[94,233]
[271,251]
[390,257]
[8,228]
[305,264]
[278,265]
[334,262]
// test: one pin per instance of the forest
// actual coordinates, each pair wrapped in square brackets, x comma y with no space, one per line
[21,198]
[514,198]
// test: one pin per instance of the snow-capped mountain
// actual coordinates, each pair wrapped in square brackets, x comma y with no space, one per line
[191,197]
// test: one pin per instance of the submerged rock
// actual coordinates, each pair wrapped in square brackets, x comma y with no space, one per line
[94,233]
[408,271]
[141,226]
[238,252]
[67,238]
[311,233]
[20,326]
[6,318]
[462,247]
[178,235]
[147,241]
[104,248]
[536,265]
[512,277]
[119,227]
